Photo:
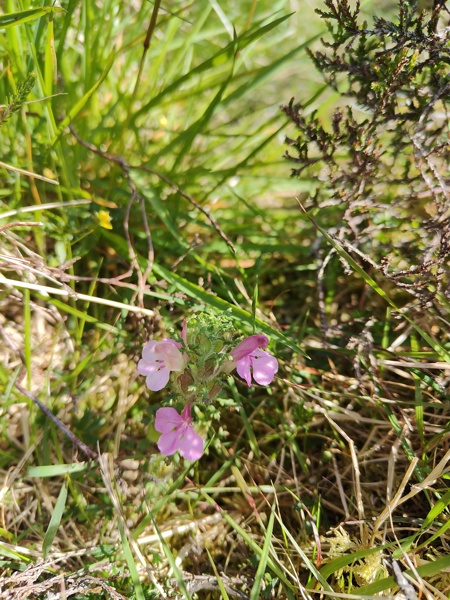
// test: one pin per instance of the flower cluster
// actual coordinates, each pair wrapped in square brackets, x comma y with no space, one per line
[199,365]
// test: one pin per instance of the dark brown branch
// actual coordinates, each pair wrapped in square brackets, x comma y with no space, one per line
[47,412]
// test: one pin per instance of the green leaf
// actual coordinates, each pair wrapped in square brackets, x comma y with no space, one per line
[343,561]
[75,312]
[430,521]
[222,588]
[262,566]
[50,59]
[267,71]
[254,547]
[187,137]
[159,209]
[55,520]
[131,562]
[10,553]
[56,470]
[173,565]
[219,58]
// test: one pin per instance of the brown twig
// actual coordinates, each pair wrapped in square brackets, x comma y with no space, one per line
[47,412]
[148,38]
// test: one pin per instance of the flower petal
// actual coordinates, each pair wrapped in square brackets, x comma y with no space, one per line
[169,443]
[168,352]
[247,346]
[243,369]
[264,367]
[158,379]
[167,419]
[191,445]
[148,351]
[146,368]
[174,342]
[186,414]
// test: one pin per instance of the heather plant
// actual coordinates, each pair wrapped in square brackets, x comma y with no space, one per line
[382,158]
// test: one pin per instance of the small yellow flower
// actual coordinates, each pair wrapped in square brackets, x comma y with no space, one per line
[104,219]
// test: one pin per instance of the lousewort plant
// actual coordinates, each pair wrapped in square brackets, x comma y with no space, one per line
[195,369]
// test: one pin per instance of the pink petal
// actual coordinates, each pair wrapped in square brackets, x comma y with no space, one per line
[264,367]
[248,346]
[168,352]
[175,343]
[243,369]
[146,368]
[158,379]
[186,414]
[169,443]
[167,419]
[191,445]
[148,351]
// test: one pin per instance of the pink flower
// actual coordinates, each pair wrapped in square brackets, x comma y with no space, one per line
[249,357]
[158,360]
[178,433]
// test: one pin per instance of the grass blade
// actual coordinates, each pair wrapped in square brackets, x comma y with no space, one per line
[173,565]
[189,135]
[220,57]
[201,295]
[130,562]
[55,520]
[347,559]
[24,16]
[266,72]
[222,588]
[289,588]
[374,285]
[56,470]
[263,559]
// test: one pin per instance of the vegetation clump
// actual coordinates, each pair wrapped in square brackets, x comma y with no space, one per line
[207,392]
[382,160]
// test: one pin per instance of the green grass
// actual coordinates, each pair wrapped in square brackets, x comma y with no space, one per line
[305,486]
